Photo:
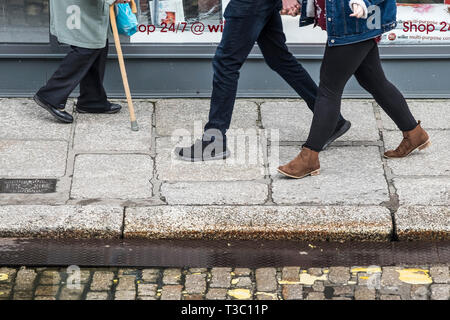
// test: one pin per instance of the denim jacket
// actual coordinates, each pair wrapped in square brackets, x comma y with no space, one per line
[343,29]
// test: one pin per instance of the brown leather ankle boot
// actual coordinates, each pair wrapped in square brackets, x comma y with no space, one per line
[305,164]
[413,139]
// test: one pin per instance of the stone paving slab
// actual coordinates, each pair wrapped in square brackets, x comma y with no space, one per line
[423,222]
[251,222]
[32,158]
[112,176]
[433,161]
[433,114]
[60,221]
[215,193]
[111,132]
[190,115]
[293,119]
[349,175]
[423,191]
[246,164]
[23,119]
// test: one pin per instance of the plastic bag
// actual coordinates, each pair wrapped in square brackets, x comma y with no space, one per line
[126,20]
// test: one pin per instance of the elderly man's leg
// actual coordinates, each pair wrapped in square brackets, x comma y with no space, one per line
[53,96]
[93,97]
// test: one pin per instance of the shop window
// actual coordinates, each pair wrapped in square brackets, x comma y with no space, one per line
[199,21]
[174,21]
[24,21]
[421,22]
[425,22]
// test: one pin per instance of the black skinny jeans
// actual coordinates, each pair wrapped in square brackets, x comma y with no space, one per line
[339,63]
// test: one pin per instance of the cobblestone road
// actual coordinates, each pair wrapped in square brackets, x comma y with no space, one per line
[337,283]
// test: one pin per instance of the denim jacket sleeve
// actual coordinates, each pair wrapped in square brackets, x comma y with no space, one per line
[372,2]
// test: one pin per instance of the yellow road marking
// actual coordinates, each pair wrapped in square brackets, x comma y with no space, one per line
[288,282]
[366,270]
[273,295]
[414,276]
[240,294]
[306,278]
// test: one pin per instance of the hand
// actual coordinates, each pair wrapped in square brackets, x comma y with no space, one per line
[358,11]
[290,7]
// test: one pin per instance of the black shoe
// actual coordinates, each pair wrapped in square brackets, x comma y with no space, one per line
[340,131]
[204,150]
[113,108]
[59,114]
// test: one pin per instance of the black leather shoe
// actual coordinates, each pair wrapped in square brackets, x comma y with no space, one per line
[113,108]
[203,150]
[340,131]
[59,114]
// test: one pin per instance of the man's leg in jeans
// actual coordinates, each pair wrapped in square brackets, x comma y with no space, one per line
[92,92]
[239,36]
[272,42]
[244,22]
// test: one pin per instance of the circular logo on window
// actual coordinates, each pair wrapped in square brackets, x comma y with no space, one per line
[392,36]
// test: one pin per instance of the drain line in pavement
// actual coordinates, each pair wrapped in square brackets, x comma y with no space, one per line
[215,253]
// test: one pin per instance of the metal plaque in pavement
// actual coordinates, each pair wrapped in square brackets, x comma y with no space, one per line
[28,186]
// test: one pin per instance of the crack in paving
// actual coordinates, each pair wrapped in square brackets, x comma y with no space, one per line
[393,204]
[265,150]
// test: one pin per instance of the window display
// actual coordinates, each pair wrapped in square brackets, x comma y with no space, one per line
[424,22]
[166,21]
[25,21]
[421,22]
[200,21]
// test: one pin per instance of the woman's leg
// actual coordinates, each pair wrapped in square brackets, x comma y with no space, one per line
[371,77]
[338,65]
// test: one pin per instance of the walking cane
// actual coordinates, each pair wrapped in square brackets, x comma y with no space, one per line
[123,71]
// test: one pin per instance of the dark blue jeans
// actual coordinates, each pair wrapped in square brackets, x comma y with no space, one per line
[247,22]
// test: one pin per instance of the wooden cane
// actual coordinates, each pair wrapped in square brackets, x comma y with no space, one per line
[123,71]
[133,6]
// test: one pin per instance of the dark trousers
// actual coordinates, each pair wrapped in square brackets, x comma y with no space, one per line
[248,22]
[339,63]
[84,67]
